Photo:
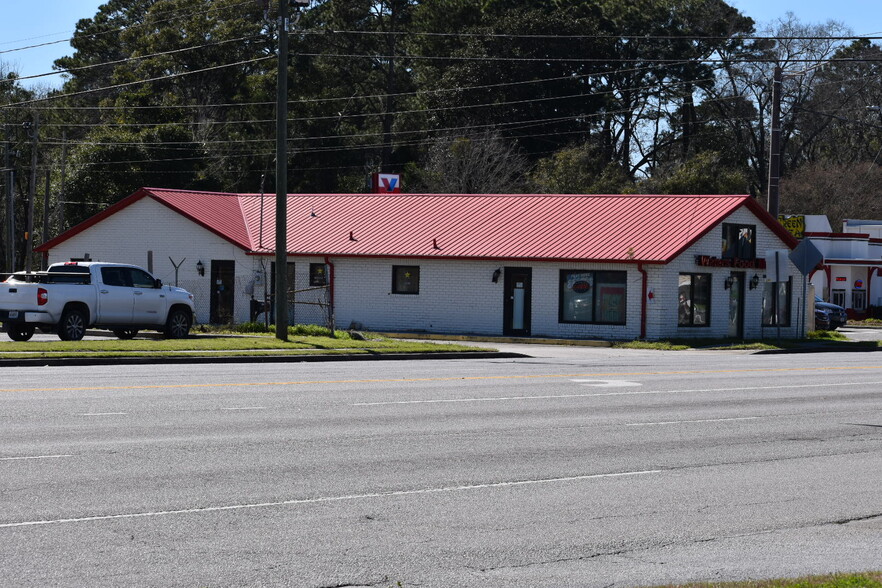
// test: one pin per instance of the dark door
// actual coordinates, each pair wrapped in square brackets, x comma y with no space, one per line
[516,306]
[223,280]
[736,305]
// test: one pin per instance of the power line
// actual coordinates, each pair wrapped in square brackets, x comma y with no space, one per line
[661,61]
[126,60]
[602,36]
[175,16]
[127,84]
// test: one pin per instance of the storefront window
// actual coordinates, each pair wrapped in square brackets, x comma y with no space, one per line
[693,292]
[739,241]
[776,304]
[593,297]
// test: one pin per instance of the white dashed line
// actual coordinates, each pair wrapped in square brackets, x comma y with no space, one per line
[326,499]
[34,457]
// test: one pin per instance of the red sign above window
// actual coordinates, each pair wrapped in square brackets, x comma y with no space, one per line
[841,279]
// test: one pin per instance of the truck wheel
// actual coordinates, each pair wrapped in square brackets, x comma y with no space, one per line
[19,332]
[125,333]
[72,326]
[178,324]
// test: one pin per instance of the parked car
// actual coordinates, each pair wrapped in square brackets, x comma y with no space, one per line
[828,317]
[73,296]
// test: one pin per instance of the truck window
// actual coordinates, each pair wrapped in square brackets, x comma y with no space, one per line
[141,279]
[116,276]
[69,274]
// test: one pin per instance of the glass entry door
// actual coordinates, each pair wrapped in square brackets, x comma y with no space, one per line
[736,305]
[517,302]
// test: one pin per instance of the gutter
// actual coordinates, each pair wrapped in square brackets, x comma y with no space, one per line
[643,300]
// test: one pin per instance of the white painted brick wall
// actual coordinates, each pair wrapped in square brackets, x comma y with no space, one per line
[455,296]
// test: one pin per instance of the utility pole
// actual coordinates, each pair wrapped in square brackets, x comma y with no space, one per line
[775,144]
[61,194]
[45,217]
[32,191]
[282,177]
[281,274]
[10,205]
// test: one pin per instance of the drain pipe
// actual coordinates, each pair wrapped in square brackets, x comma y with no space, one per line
[331,294]
[643,300]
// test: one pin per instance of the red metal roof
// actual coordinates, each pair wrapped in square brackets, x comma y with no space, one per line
[614,228]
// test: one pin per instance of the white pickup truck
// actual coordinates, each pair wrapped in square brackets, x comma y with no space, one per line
[70,297]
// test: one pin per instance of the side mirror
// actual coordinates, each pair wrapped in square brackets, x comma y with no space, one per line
[157,283]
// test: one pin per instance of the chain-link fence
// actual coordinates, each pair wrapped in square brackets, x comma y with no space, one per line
[253,300]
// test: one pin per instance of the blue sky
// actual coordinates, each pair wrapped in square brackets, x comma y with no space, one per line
[25,24]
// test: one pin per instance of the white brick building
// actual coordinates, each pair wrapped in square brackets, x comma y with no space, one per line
[596,267]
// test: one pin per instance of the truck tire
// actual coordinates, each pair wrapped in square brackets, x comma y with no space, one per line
[125,333]
[178,324]
[73,325]
[19,332]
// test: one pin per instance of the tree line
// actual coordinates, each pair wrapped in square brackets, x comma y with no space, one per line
[459,96]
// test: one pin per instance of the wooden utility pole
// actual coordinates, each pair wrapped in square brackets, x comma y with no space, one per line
[775,144]
[43,260]
[10,205]
[61,195]
[282,177]
[32,192]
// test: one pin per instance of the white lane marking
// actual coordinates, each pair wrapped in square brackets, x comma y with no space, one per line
[326,499]
[607,383]
[34,457]
[486,399]
[245,408]
[596,394]
[102,413]
[739,389]
[695,421]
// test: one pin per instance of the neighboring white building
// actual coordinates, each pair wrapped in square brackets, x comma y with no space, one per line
[851,272]
[598,267]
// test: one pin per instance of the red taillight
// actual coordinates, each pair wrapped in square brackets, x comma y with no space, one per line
[42,296]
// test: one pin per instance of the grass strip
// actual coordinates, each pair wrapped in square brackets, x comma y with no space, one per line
[219,344]
[860,580]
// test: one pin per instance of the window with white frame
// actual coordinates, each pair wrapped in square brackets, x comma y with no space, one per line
[859,300]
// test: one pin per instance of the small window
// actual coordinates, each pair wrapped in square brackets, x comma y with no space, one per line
[838,298]
[776,304]
[592,297]
[739,241]
[318,274]
[694,296]
[405,279]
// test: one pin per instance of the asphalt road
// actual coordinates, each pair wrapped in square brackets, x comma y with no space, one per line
[575,467]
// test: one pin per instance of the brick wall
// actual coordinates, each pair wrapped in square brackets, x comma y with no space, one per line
[456,296]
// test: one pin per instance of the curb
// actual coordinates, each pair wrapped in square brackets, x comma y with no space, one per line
[510,340]
[146,360]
